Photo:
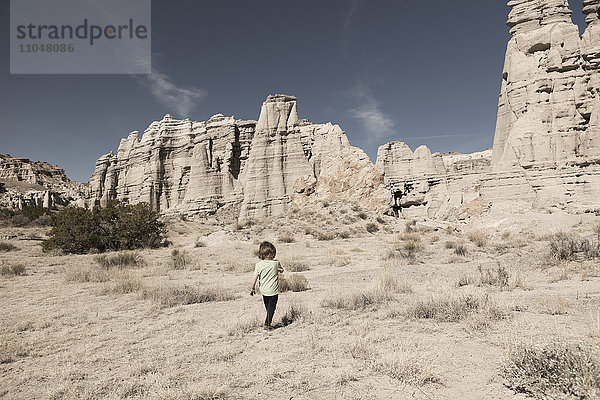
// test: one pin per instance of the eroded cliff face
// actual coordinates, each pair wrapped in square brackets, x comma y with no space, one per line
[200,167]
[546,152]
[31,183]
[550,88]
[177,166]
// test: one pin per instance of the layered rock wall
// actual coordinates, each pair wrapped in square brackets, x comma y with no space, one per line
[550,88]
[200,167]
[34,183]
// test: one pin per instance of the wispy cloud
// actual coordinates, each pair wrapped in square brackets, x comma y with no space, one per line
[345,35]
[176,98]
[370,115]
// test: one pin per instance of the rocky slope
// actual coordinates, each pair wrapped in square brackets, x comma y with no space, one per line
[28,183]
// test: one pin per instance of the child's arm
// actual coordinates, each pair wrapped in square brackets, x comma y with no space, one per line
[279,267]
[252,291]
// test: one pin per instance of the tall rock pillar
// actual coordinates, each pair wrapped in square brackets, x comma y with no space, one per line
[546,96]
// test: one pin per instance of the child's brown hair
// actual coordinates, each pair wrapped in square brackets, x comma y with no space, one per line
[266,251]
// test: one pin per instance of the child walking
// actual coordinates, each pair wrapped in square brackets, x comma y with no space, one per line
[267,272]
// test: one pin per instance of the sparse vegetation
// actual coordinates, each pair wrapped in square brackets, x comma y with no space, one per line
[460,250]
[120,260]
[358,300]
[567,247]
[293,313]
[453,309]
[294,283]
[493,277]
[26,217]
[286,238]
[6,247]
[118,226]
[372,227]
[12,269]
[558,370]
[180,259]
[170,296]
[480,239]
[362,215]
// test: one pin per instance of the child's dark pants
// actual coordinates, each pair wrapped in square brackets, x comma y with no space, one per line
[270,304]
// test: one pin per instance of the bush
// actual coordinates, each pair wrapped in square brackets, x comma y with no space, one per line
[564,247]
[297,283]
[362,215]
[120,260]
[554,371]
[460,250]
[490,277]
[12,269]
[480,239]
[286,238]
[119,226]
[179,259]
[4,246]
[372,227]
[27,216]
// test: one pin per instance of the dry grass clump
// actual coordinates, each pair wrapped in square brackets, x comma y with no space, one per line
[125,282]
[180,260]
[5,247]
[493,277]
[13,269]
[566,247]
[372,227]
[325,236]
[390,284]
[10,351]
[454,309]
[242,328]
[286,238]
[553,371]
[293,313]
[172,296]
[450,244]
[200,243]
[85,275]
[460,250]
[120,260]
[295,266]
[295,283]
[400,364]
[358,300]
[480,239]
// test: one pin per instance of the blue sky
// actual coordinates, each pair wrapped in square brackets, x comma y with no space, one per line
[421,72]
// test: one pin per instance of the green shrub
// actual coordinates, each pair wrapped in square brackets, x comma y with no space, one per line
[118,226]
[27,216]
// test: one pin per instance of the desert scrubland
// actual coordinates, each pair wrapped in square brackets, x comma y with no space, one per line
[383,308]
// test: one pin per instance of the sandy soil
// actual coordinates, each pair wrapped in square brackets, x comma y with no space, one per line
[61,338]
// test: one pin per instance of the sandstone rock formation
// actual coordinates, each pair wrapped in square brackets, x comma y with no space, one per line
[431,185]
[29,183]
[177,165]
[546,150]
[200,167]
[550,88]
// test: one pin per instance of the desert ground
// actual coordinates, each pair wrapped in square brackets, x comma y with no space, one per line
[390,309]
